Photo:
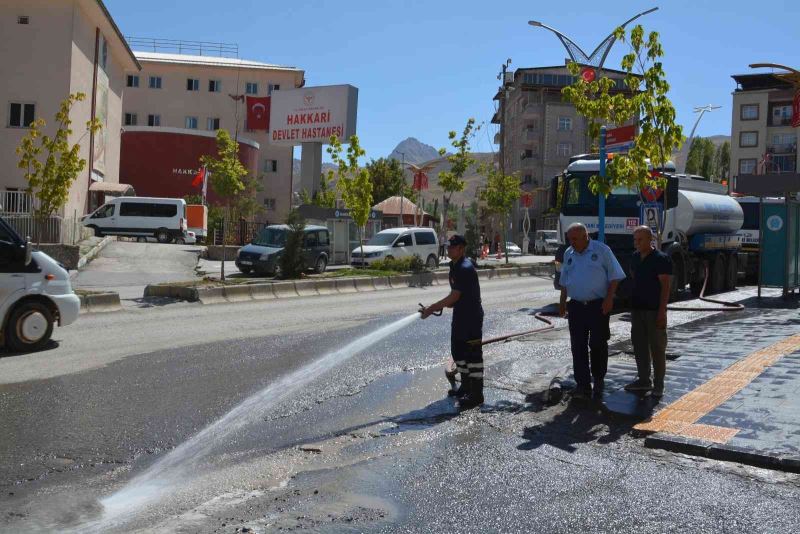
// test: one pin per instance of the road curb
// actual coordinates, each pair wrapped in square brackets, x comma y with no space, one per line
[328,286]
[94,251]
[100,302]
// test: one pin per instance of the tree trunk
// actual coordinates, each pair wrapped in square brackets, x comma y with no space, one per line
[505,236]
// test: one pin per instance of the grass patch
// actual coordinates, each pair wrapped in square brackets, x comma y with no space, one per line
[340,273]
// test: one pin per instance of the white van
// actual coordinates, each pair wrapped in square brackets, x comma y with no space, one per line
[35,292]
[162,218]
[546,242]
[399,243]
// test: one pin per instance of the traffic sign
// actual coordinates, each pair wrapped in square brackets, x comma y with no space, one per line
[650,215]
[620,139]
[652,194]
[588,74]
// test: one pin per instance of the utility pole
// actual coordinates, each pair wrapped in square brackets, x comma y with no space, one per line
[402,188]
[503,96]
[702,110]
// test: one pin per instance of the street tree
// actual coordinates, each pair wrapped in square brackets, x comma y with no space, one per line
[452,180]
[353,182]
[701,159]
[648,105]
[388,180]
[227,171]
[500,194]
[723,157]
[324,198]
[291,261]
[50,163]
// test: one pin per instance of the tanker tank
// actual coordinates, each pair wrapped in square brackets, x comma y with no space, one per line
[700,212]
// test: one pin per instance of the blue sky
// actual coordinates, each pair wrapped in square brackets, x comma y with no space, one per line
[424,67]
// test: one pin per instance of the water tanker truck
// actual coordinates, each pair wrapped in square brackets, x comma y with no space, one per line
[699,220]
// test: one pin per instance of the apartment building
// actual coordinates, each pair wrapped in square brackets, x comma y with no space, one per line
[50,49]
[189,97]
[541,132]
[762,138]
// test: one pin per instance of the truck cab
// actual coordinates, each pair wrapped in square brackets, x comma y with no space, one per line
[35,294]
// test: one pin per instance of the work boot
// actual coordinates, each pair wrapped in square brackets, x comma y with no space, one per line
[463,389]
[475,396]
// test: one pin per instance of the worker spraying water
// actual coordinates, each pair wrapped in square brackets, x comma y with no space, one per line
[467,326]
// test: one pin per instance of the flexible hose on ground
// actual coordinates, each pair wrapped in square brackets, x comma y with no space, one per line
[726,306]
[539,315]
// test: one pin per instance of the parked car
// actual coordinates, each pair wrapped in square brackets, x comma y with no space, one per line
[399,243]
[513,249]
[162,218]
[546,242]
[262,255]
[35,293]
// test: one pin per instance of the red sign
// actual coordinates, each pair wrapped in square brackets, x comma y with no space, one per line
[527,200]
[618,136]
[258,112]
[796,110]
[588,74]
[651,194]
[420,181]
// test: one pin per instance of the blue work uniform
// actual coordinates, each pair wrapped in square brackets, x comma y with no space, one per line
[586,276]
[467,325]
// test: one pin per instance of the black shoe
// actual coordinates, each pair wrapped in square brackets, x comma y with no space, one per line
[474,397]
[639,385]
[582,392]
[462,390]
[599,387]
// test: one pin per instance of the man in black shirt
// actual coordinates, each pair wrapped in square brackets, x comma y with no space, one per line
[467,326]
[652,273]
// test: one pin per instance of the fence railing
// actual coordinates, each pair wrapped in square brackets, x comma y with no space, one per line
[62,230]
[237,233]
[15,202]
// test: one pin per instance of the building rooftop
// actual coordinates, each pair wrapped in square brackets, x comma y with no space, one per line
[759,81]
[209,61]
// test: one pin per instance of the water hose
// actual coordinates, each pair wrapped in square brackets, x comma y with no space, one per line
[539,316]
[725,306]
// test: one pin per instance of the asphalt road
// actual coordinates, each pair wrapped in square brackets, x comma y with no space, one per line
[370,445]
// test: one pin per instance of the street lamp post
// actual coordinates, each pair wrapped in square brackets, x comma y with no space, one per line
[702,110]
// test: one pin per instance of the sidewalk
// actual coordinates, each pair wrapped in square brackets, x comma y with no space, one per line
[732,390]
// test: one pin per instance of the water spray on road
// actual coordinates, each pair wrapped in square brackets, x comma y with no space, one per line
[179,465]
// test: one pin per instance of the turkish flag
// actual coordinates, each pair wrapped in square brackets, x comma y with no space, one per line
[258,112]
[796,110]
[199,177]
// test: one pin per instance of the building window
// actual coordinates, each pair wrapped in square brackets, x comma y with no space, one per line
[564,124]
[747,166]
[130,119]
[273,87]
[748,112]
[154,120]
[528,179]
[23,19]
[103,54]
[155,82]
[133,80]
[214,86]
[192,84]
[781,115]
[747,139]
[527,153]
[564,149]
[21,115]
[269,204]
[271,165]
[212,123]
[191,123]
[251,88]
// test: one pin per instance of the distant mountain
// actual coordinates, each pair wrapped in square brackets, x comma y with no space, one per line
[413,151]
[296,171]
[679,158]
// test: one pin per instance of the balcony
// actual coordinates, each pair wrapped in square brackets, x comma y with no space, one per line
[786,163]
[784,148]
[780,120]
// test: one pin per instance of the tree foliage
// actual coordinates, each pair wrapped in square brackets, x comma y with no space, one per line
[702,159]
[452,180]
[500,194]
[353,182]
[388,180]
[50,163]
[325,197]
[291,261]
[659,136]
[227,171]
[723,157]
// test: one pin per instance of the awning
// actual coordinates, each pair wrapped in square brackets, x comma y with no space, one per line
[113,189]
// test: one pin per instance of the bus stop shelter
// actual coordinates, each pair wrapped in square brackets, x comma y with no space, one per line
[779,226]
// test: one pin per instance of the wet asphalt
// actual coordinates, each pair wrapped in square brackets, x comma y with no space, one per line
[371,446]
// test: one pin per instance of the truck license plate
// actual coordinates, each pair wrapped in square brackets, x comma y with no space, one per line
[246,262]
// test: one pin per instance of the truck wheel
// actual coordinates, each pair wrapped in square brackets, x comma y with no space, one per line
[29,327]
[732,274]
[678,277]
[162,235]
[719,272]
[245,270]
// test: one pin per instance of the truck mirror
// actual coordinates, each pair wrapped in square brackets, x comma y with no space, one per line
[671,199]
[554,192]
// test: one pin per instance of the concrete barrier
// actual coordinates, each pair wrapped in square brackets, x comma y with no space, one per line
[443,278]
[421,280]
[284,290]
[237,293]
[211,295]
[326,286]
[400,280]
[92,254]
[261,291]
[305,288]
[364,284]
[159,291]
[345,285]
[100,302]
[381,282]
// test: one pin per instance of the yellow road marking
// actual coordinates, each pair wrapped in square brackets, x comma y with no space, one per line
[680,418]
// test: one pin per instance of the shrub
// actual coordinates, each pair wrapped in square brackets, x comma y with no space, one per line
[291,260]
[413,264]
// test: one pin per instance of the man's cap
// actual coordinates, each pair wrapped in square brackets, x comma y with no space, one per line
[456,239]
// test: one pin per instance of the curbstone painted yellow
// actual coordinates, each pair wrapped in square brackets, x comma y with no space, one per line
[100,303]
